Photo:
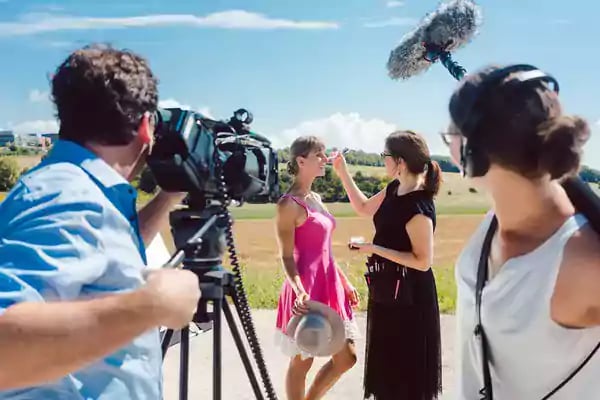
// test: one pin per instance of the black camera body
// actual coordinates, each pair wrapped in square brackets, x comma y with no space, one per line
[213,159]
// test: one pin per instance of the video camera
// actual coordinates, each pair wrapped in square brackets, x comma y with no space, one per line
[198,155]
[214,162]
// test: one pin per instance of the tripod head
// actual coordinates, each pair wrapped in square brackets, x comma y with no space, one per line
[200,235]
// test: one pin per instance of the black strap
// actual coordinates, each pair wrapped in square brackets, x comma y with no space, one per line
[482,276]
[563,383]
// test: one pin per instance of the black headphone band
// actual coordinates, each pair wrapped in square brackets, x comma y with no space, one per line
[474,161]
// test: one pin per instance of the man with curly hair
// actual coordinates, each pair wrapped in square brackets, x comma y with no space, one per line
[77,318]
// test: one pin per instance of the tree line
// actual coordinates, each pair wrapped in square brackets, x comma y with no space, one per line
[329,187]
[358,157]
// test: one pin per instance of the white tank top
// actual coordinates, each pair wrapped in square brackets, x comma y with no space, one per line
[531,353]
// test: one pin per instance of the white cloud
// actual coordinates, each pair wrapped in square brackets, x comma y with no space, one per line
[394,4]
[51,7]
[232,19]
[36,126]
[38,96]
[60,43]
[395,21]
[206,112]
[173,103]
[341,130]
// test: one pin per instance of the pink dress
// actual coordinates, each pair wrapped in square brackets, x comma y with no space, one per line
[319,275]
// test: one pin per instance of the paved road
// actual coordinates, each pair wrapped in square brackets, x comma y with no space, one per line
[235,383]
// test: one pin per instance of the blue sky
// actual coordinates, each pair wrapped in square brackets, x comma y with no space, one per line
[304,66]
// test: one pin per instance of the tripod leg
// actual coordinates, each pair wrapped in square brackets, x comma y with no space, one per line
[242,350]
[217,304]
[184,363]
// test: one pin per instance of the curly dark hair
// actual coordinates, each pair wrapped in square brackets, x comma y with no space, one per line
[101,95]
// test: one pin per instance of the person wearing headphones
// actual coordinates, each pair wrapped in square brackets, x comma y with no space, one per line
[528,305]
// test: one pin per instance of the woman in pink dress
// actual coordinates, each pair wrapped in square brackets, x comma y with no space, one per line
[304,228]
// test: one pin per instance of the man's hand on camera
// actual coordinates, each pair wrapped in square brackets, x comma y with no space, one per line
[175,295]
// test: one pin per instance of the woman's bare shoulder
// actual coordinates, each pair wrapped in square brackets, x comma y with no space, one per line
[289,210]
[286,204]
[582,252]
[576,299]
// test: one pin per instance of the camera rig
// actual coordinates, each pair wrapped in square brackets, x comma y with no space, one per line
[215,162]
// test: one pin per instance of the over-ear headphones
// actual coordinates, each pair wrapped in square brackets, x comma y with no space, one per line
[467,113]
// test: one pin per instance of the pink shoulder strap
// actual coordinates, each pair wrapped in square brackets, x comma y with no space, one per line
[298,201]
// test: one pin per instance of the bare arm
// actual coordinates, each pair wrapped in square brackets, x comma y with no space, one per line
[287,213]
[420,231]
[345,282]
[41,342]
[576,298]
[362,205]
[154,216]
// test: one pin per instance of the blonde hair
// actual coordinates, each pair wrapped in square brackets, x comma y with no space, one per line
[301,147]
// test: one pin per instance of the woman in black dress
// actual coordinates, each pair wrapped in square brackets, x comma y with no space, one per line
[403,349]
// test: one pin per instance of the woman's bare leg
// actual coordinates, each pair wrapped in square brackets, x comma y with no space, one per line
[329,374]
[295,380]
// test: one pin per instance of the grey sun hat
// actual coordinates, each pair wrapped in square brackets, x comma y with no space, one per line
[319,332]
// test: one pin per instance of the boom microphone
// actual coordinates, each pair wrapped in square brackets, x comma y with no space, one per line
[447,29]
[450,27]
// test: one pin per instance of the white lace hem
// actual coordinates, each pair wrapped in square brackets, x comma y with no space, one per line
[288,345]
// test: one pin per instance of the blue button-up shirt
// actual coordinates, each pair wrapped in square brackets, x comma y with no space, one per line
[69,231]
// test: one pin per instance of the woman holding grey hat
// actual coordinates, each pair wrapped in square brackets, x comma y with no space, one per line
[315,284]
[403,349]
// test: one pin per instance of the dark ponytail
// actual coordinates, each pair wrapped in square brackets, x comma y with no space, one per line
[413,150]
[433,177]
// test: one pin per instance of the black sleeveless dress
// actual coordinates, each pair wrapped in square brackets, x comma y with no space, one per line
[403,348]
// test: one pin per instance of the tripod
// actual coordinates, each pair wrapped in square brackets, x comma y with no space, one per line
[200,238]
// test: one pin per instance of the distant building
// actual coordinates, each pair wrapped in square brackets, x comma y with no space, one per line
[52,136]
[6,137]
[33,140]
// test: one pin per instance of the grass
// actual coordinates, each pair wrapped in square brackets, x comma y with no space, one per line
[455,198]
[262,287]
[344,210]
[263,274]
[459,212]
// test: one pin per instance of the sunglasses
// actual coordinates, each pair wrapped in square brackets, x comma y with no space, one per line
[383,154]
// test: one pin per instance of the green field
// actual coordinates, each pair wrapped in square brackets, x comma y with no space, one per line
[459,207]
[258,254]
[364,169]
[456,196]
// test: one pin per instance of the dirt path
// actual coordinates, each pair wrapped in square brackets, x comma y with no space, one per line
[235,383]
